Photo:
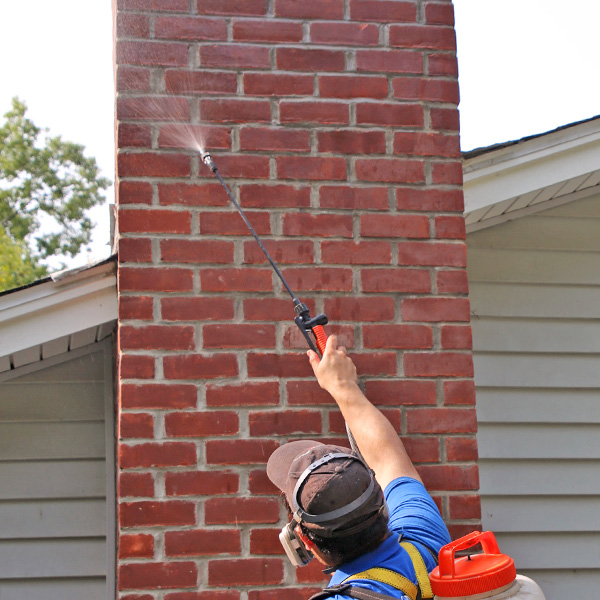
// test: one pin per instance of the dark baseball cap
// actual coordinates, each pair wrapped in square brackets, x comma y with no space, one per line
[337,496]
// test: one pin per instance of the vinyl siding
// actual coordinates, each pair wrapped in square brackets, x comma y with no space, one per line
[53,468]
[535,301]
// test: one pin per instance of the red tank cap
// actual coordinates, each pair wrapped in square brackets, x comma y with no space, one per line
[475,574]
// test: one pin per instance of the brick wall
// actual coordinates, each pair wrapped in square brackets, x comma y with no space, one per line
[336,124]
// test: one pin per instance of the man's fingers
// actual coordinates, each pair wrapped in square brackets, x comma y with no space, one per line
[331,343]
[314,359]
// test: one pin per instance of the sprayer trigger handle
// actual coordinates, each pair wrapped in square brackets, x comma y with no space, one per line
[320,337]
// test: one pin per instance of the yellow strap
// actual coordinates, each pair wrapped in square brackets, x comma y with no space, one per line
[420,570]
[406,586]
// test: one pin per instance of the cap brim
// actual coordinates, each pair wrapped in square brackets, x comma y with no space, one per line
[279,463]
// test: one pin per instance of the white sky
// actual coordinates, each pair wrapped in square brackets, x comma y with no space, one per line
[526,66]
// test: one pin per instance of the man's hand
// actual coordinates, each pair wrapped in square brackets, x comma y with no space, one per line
[335,372]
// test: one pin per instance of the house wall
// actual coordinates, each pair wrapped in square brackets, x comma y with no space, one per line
[56,496]
[335,123]
[535,295]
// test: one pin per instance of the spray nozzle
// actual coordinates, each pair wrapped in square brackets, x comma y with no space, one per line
[207,160]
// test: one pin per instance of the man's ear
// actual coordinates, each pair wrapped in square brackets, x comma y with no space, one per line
[308,543]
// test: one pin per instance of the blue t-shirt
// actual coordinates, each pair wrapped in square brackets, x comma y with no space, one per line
[414,515]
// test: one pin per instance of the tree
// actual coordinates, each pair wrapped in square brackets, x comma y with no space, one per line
[46,188]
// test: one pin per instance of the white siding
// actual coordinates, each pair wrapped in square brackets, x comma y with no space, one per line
[535,299]
[54,520]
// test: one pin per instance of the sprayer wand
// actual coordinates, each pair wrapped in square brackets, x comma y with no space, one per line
[303,320]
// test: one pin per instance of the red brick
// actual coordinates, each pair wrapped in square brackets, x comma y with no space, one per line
[317,225]
[444,364]
[153,108]
[313,60]
[152,575]
[459,392]
[322,279]
[309,9]
[154,221]
[352,86]
[457,337]
[389,61]
[278,84]
[135,307]
[360,309]
[231,595]
[426,90]
[439,14]
[432,254]
[311,573]
[235,56]
[450,227]
[419,36]
[152,54]
[135,192]
[266,31]
[158,395]
[394,226]
[134,136]
[275,365]
[246,571]
[135,484]
[154,5]
[201,424]
[352,142]
[309,167]
[396,280]
[136,546]
[302,111]
[450,282]
[195,137]
[203,542]
[235,111]
[239,335]
[135,250]
[268,309]
[390,170]
[269,139]
[442,64]
[192,195]
[134,366]
[426,144]
[429,200]
[444,119]
[259,483]
[169,454]
[195,308]
[356,253]
[375,363]
[383,11]
[345,34]
[190,28]
[148,164]
[392,115]
[441,420]
[132,79]
[450,478]
[465,507]
[447,173]
[248,167]
[353,198]
[401,392]
[461,449]
[201,483]
[151,514]
[136,425]
[196,251]
[234,452]
[282,252]
[132,25]
[200,82]
[156,337]
[435,309]
[307,393]
[220,511]
[265,541]
[242,280]
[284,423]
[232,7]
[397,336]
[259,195]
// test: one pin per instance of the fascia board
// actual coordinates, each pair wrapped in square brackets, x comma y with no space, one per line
[55,309]
[535,164]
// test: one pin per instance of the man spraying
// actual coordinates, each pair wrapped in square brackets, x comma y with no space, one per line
[367,517]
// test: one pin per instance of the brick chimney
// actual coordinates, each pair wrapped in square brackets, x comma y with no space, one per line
[335,123]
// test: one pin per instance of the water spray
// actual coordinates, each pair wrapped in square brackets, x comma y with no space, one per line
[303,320]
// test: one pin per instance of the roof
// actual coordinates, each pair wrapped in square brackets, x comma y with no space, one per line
[509,180]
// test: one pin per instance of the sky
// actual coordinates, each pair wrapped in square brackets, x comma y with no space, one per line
[525,67]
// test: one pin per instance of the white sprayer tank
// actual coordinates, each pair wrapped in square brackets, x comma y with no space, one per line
[490,575]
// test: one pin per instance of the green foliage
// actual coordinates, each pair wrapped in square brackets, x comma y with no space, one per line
[46,187]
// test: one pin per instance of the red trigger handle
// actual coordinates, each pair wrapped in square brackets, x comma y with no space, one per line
[320,337]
